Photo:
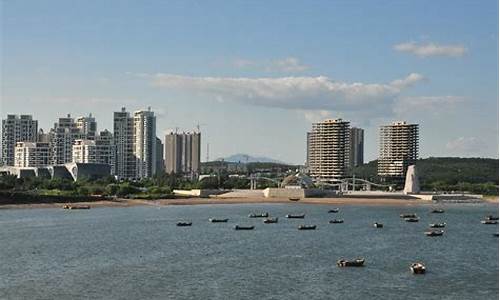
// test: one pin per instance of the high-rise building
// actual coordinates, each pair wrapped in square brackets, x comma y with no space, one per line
[182,153]
[123,131]
[145,143]
[87,126]
[62,137]
[30,154]
[16,129]
[357,147]
[328,150]
[101,150]
[160,162]
[398,149]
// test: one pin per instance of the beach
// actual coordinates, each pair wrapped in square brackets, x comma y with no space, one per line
[121,202]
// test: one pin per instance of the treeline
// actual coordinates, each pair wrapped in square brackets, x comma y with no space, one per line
[159,186]
[475,175]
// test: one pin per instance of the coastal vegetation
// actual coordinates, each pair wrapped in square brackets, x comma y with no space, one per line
[448,174]
[475,175]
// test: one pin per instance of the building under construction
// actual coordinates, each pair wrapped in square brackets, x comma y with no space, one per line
[328,150]
[398,149]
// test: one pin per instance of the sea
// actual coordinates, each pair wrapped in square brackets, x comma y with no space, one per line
[140,253]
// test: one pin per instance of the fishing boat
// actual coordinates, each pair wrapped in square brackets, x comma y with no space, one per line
[406,216]
[307,227]
[491,218]
[261,215]
[215,220]
[358,262]
[333,211]
[270,220]
[294,216]
[437,211]
[437,225]
[239,227]
[294,199]
[434,233]
[417,268]
[412,220]
[336,221]
[67,206]
[378,225]
[184,224]
[489,222]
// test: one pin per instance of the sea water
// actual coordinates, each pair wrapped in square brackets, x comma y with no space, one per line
[140,253]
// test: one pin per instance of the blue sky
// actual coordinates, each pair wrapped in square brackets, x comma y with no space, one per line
[255,74]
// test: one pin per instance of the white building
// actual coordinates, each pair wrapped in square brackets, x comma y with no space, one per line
[398,149]
[145,143]
[16,129]
[101,150]
[328,150]
[88,126]
[29,154]
[62,137]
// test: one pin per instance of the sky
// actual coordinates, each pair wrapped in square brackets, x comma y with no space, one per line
[254,75]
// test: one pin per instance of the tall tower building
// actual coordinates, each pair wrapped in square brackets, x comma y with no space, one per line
[123,131]
[87,126]
[357,147]
[398,149]
[62,137]
[182,153]
[328,150]
[160,162]
[16,129]
[145,143]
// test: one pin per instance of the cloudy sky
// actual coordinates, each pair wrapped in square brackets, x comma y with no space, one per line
[255,74]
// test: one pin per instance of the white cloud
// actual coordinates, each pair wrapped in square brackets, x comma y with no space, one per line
[303,93]
[465,145]
[431,104]
[314,116]
[285,65]
[431,49]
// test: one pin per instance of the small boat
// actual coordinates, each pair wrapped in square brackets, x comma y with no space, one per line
[358,262]
[412,220]
[378,225]
[406,216]
[294,199]
[183,224]
[489,222]
[292,216]
[434,233]
[495,234]
[417,268]
[67,206]
[307,227]
[270,220]
[437,225]
[333,211]
[491,218]
[215,220]
[336,221]
[261,215]
[437,211]
[239,227]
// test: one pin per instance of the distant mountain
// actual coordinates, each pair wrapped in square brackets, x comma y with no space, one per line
[244,158]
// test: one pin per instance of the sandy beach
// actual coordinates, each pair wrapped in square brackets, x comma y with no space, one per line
[254,200]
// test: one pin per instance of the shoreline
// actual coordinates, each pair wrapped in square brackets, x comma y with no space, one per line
[214,201]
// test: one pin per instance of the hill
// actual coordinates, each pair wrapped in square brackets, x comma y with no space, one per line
[447,173]
[245,158]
